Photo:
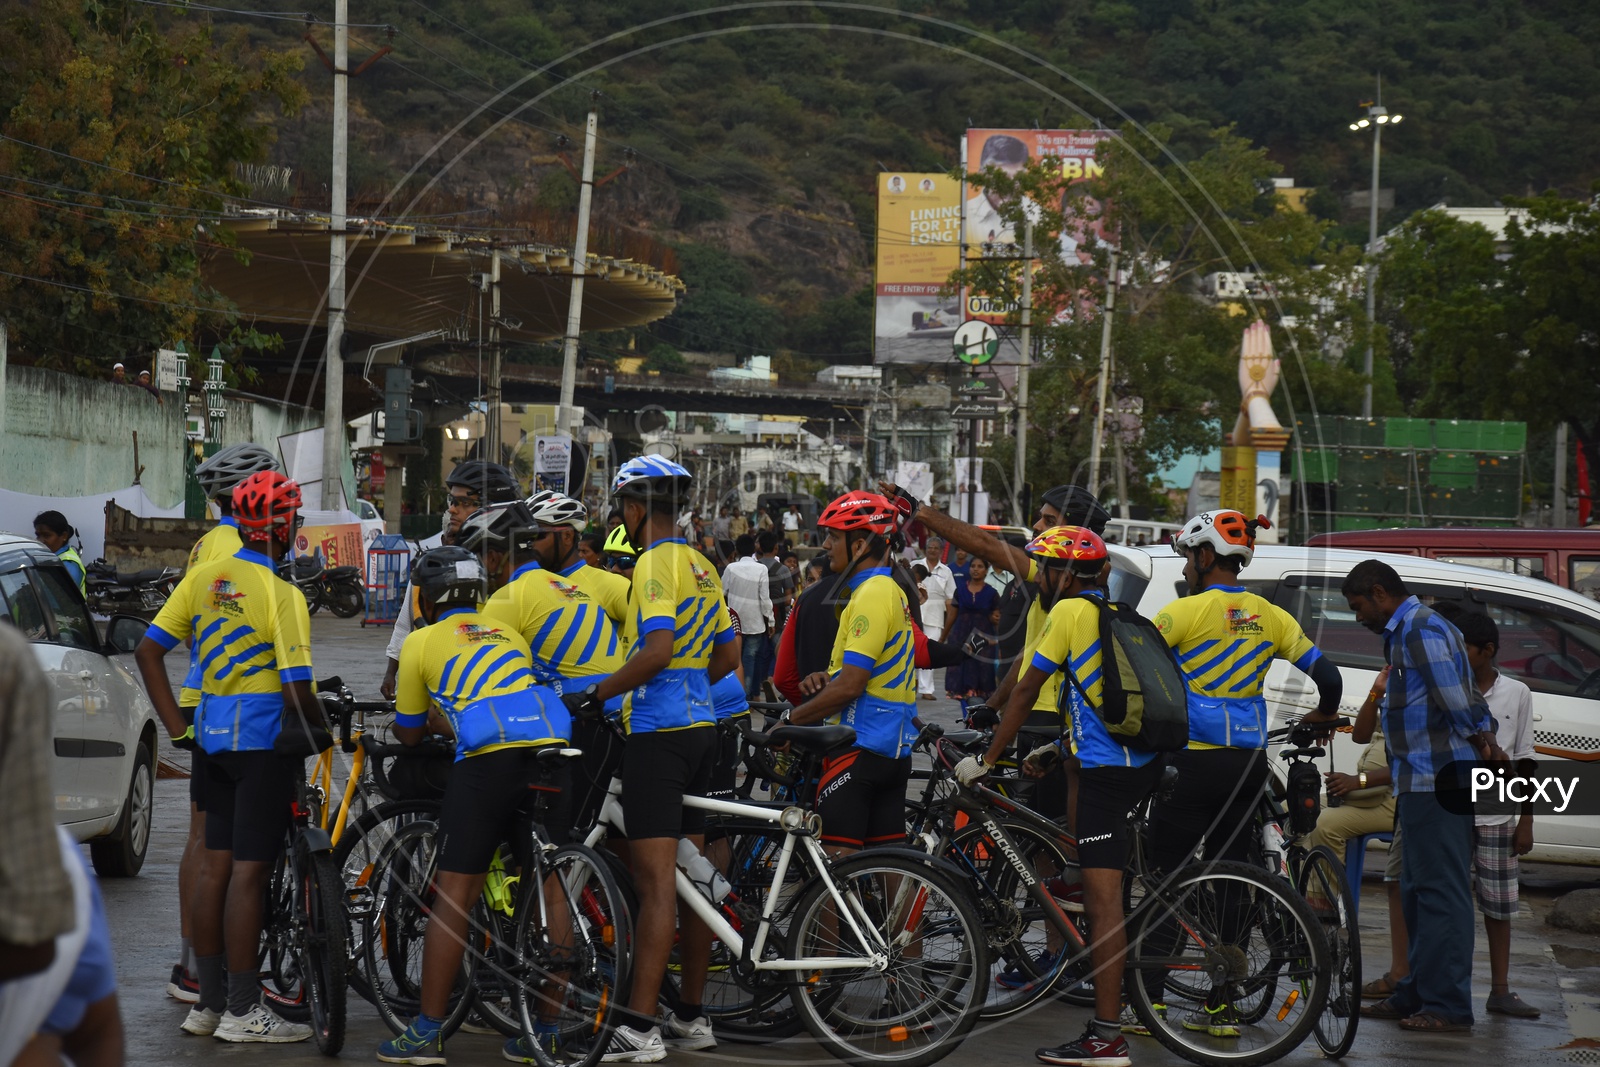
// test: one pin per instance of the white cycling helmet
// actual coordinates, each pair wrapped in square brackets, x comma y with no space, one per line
[651,477]
[550,508]
[1227,533]
[220,474]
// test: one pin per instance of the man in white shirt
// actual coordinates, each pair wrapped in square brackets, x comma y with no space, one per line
[1500,836]
[750,599]
[940,585]
[791,523]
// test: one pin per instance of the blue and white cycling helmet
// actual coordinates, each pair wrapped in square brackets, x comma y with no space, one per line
[651,477]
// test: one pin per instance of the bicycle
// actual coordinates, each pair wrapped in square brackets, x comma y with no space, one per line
[1317,874]
[304,937]
[549,941]
[880,953]
[1215,937]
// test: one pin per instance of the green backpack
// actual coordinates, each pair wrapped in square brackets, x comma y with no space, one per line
[1144,698]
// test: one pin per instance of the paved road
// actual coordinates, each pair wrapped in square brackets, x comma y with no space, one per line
[1556,970]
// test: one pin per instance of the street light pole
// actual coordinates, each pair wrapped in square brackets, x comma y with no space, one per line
[1377,117]
[565,421]
[1020,466]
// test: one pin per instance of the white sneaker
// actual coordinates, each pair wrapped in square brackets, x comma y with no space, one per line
[200,1022]
[259,1024]
[634,1046]
[692,1036]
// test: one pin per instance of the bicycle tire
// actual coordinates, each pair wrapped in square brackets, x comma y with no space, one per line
[1180,926]
[1321,875]
[356,855]
[932,929]
[403,902]
[324,946]
[1017,928]
[282,989]
[579,922]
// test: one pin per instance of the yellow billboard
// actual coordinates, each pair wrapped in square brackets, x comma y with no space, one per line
[919,245]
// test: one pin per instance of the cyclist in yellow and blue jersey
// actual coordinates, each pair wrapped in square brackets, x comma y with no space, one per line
[253,633]
[678,639]
[218,476]
[871,681]
[1225,638]
[1115,777]
[478,672]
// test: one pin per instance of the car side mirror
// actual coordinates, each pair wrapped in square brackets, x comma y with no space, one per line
[124,633]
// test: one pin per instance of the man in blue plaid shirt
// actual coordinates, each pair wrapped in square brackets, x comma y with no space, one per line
[1432,716]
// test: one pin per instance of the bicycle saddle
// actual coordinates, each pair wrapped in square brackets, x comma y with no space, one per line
[813,739]
[1168,784]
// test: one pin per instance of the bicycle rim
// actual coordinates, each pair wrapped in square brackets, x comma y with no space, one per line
[1322,882]
[325,951]
[356,855]
[1030,957]
[923,1001]
[574,956]
[1235,958]
[282,987]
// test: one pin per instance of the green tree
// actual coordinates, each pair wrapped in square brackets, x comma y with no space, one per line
[121,133]
[666,359]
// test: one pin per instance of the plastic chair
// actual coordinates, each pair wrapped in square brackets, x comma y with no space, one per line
[1355,859]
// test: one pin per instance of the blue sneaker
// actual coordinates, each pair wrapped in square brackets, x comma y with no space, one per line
[518,1049]
[413,1047]
[1014,977]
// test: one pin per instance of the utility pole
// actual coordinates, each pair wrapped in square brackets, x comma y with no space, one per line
[333,440]
[491,423]
[1105,377]
[565,423]
[1020,467]
[894,425]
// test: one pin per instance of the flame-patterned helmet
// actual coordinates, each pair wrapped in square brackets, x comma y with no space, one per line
[1077,548]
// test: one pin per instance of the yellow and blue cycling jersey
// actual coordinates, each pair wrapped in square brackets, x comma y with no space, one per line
[252,635]
[675,589]
[875,635]
[1049,700]
[567,629]
[1070,640]
[1226,639]
[609,590]
[727,697]
[219,541]
[479,672]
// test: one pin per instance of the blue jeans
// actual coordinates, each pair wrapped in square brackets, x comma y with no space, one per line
[754,659]
[1436,898]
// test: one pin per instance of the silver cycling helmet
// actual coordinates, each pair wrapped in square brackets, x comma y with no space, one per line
[221,473]
[550,508]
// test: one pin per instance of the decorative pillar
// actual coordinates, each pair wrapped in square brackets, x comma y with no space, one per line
[1252,463]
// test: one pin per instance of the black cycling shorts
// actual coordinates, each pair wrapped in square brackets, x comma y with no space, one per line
[659,769]
[488,802]
[197,765]
[1105,797]
[591,778]
[725,773]
[862,799]
[247,798]
[1048,795]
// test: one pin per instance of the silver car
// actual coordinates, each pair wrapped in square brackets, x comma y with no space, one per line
[103,724]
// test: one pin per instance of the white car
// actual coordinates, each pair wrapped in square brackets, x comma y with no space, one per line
[1549,639]
[102,723]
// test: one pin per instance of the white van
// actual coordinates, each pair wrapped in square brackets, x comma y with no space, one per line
[1549,639]
[1138,533]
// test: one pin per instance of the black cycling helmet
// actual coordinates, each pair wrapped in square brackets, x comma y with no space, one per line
[492,482]
[220,474]
[449,577]
[491,528]
[1077,507]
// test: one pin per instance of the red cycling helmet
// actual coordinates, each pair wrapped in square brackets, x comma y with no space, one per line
[871,512]
[266,503]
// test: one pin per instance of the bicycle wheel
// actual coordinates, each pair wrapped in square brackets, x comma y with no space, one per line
[755,1008]
[356,855]
[321,939]
[573,960]
[282,986]
[914,1006]
[1236,960]
[1029,957]
[1322,882]
[403,900]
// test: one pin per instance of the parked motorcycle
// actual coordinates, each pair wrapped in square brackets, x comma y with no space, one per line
[339,589]
[142,593]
